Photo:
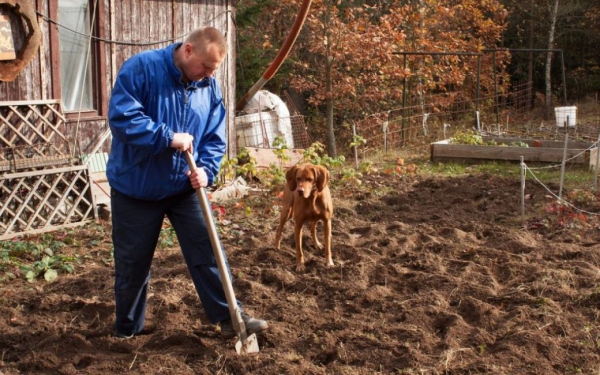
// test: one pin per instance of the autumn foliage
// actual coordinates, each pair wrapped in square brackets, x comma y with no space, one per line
[344,61]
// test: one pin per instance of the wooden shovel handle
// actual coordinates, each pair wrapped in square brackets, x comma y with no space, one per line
[234,311]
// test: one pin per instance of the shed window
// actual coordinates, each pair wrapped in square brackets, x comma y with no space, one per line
[76,61]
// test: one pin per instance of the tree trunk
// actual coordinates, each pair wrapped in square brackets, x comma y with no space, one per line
[329,104]
[551,32]
[530,103]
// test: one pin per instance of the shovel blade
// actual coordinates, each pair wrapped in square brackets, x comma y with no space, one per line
[251,345]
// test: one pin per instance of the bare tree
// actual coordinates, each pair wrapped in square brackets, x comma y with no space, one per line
[551,32]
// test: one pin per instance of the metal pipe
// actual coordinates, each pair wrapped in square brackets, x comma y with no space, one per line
[355,148]
[281,56]
[496,96]
[597,165]
[562,167]
[478,82]
[523,173]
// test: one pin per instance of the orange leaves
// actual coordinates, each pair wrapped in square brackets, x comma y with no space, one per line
[402,169]
[352,48]
[412,168]
[219,211]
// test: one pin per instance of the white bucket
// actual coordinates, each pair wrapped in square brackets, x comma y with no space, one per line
[561,116]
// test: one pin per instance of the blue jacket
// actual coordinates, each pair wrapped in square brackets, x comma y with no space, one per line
[149,103]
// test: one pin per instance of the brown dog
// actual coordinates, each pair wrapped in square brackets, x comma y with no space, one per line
[307,198]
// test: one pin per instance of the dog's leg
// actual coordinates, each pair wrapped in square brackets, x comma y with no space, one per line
[313,232]
[285,215]
[327,230]
[298,238]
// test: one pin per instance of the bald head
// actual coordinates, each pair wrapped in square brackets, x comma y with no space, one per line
[206,37]
[201,54]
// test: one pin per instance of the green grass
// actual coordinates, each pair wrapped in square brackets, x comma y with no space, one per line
[576,176]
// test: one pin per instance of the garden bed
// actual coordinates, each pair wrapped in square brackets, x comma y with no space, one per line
[507,149]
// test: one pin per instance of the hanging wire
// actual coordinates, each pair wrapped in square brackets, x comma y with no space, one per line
[571,158]
[562,200]
[110,41]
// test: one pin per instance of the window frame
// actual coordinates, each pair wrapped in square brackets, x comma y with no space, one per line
[97,58]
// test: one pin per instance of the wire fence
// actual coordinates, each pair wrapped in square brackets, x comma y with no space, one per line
[559,197]
[440,116]
[504,117]
[259,130]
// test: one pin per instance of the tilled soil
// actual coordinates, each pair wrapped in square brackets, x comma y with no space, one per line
[432,275]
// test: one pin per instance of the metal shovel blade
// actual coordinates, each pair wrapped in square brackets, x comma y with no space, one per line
[251,345]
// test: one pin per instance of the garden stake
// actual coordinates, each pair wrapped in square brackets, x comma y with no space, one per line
[245,343]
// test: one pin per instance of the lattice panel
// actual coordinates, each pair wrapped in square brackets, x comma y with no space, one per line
[44,200]
[32,135]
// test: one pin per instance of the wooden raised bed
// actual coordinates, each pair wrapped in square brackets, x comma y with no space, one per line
[538,151]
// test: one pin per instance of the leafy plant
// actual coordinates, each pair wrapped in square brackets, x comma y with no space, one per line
[518,144]
[365,167]
[227,171]
[35,259]
[315,154]
[564,216]
[357,141]
[167,238]
[280,150]
[48,266]
[351,176]
[242,165]
[272,177]
[467,137]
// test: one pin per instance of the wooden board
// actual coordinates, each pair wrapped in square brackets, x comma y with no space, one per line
[265,157]
[550,151]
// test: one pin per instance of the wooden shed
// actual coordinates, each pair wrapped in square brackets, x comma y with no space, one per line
[54,95]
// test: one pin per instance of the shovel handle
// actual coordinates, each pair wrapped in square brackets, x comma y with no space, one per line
[234,311]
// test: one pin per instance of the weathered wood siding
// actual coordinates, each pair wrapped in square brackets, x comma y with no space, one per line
[127,22]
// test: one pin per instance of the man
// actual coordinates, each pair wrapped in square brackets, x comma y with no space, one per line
[166,102]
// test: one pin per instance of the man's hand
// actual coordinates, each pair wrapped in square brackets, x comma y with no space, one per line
[182,142]
[198,178]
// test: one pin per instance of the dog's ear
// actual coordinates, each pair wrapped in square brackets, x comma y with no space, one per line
[322,176]
[290,177]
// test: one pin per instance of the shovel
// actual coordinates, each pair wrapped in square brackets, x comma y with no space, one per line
[245,343]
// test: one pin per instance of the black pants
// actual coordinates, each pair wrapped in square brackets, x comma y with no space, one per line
[136,229]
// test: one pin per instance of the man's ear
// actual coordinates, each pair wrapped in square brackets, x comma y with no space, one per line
[322,177]
[188,49]
[290,177]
